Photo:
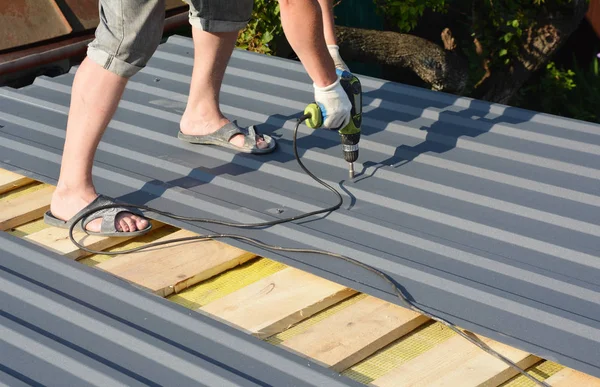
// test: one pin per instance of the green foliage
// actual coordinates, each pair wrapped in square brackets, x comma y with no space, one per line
[500,26]
[406,13]
[571,93]
[561,79]
[501,30]
[264,26]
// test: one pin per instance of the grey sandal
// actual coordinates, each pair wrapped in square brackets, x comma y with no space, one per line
[108,215]
[222,136]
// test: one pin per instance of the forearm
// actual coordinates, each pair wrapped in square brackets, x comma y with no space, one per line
[328,21]
[303,26]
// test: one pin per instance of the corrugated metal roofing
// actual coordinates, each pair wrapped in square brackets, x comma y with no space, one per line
[63,323]
[487,215]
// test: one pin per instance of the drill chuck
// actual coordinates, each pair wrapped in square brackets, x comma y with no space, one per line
[350,146]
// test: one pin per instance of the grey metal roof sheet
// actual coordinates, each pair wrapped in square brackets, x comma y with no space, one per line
[487,215]
[65,324]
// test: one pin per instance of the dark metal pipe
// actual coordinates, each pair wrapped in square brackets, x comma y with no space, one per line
[73,47]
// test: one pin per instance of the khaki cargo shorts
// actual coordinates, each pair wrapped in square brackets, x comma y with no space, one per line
[130,30]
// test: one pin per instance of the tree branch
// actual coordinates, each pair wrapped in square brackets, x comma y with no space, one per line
[443,69]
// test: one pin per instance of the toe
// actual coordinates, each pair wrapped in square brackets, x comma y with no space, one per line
[123,224]
[140,222]
[130,223]
[261,143]
[239,141]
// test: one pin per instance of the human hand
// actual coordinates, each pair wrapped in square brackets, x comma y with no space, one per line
[334,104]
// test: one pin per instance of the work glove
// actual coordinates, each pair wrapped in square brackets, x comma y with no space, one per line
[335,105]
[337,59]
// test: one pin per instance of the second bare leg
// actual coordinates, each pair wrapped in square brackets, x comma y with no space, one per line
[211,56]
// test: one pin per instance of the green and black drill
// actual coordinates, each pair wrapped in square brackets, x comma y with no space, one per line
[350,134]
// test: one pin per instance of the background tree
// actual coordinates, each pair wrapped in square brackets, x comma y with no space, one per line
[502,42]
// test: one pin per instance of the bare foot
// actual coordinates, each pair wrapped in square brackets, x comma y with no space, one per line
[198,126]
[66,204]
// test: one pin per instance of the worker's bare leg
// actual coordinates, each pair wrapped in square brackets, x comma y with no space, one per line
[211,55]
[95,96]
[113,57]
[307,40]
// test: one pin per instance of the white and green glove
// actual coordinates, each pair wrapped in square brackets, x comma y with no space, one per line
[335,105]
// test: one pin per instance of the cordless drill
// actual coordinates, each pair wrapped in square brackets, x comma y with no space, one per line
[349,134]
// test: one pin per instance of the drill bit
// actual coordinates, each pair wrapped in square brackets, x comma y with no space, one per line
[351,170]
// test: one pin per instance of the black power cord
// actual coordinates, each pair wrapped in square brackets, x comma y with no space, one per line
[468,336]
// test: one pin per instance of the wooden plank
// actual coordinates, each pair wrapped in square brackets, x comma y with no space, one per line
[25,208]
[10,180]
[457,362]
[570,378]
[355,333]
[57,240]
[277,302]
[172,268]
